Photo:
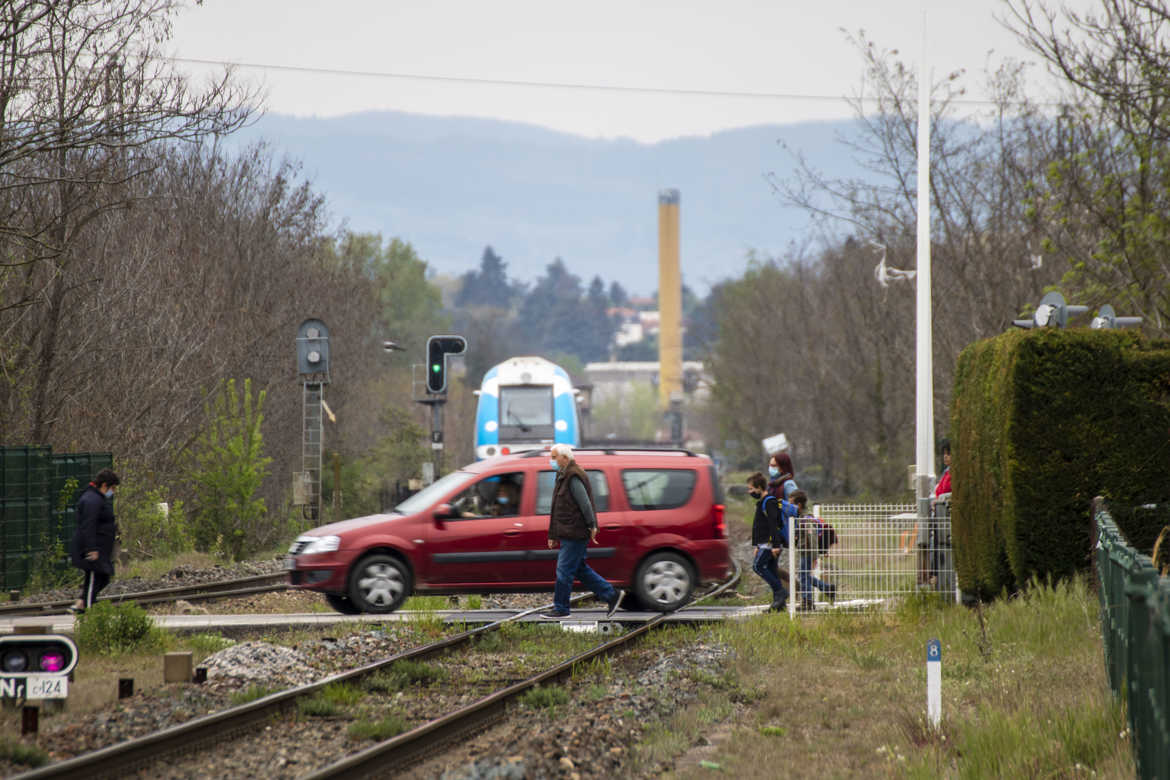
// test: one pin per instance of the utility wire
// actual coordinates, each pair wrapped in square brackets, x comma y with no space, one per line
[541,84]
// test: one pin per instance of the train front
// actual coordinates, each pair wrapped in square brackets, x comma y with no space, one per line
[525,403]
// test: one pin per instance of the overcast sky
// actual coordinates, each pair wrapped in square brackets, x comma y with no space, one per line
[794,53]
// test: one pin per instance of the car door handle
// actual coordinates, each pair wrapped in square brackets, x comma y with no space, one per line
[511,533]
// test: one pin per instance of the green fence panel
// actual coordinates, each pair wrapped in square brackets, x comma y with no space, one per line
[31,482]
[1135,624]
[25,472]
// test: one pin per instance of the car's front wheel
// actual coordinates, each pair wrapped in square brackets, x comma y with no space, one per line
[664,582]
[379,583]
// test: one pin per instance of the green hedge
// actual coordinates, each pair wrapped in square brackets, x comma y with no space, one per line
[1042,421]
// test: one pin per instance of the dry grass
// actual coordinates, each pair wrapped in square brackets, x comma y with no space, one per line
[1024,694]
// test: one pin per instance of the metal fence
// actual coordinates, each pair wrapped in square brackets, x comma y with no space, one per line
[33,526]
[884,553]
[1135,622]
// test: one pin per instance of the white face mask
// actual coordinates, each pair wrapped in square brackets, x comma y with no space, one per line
[553,462]
[109,493]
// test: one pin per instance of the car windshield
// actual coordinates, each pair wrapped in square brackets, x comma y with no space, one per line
[429,495]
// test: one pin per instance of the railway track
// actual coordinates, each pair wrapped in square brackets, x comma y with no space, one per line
[243,586]
[122,759]
[430,738]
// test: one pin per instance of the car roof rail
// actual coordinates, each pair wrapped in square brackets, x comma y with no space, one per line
[614,449]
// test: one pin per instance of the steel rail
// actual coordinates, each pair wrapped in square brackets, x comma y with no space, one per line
[210,590]
[411,746]
[119,760]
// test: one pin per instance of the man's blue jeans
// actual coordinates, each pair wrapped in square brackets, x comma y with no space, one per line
[765,566]
[571,565]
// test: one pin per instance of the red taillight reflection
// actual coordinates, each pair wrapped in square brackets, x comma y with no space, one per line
[505,450]
[720,526]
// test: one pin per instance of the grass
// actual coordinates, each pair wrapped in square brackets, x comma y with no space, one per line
[251,693]
[377,730]
[207,644]
[541,697]
[1024,694]
[22,753]
[404,674]
[155,568]
[427,603]
[331,700]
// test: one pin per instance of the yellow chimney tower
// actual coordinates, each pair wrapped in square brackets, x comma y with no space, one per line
[669,299]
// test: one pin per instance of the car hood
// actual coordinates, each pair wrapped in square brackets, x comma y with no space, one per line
[342,526]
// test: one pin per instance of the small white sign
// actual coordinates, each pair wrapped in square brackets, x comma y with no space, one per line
[774,444]
[35,686]
[934,681]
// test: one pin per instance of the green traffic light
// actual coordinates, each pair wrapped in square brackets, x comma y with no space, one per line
[435,368]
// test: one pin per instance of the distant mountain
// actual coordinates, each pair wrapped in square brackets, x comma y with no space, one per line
[450,186]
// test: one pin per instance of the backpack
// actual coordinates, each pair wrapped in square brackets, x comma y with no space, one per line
[826,536]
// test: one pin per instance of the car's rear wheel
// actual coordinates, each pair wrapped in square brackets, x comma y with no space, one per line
[379,583]
[664,582]
[342,604]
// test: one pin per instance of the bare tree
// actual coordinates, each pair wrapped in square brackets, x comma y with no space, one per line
[1103,203]
[85,98]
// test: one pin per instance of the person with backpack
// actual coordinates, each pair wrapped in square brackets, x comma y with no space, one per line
[810,542]
[769,537]
[780,475]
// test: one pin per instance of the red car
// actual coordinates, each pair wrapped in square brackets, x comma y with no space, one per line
[484,529]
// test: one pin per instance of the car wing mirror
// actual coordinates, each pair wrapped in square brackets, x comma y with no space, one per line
[444,512]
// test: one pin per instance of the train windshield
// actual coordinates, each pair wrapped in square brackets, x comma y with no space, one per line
[526,409]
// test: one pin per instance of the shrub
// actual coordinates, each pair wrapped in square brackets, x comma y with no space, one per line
[226,467]
[148,529]
[108,629]
[207,644]
[1042,422]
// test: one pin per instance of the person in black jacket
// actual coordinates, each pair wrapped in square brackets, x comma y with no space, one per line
[93,542]
[572,524]
[770,536]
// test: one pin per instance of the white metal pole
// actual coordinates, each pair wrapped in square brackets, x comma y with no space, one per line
[924,395]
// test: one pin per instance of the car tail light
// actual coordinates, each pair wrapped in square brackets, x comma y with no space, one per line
[505,450]
[720,525]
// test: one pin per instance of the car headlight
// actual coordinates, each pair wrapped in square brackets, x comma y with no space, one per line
[318,544]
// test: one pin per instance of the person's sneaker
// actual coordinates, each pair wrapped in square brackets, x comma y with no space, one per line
[805,606]
[831,592]
[554,614]
[778,606]
[615,602]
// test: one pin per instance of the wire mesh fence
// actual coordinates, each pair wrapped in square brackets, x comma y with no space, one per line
[883,553]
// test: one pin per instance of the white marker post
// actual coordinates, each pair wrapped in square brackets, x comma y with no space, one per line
[934,681]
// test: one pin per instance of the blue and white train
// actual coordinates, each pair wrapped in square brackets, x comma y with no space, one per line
[525,403]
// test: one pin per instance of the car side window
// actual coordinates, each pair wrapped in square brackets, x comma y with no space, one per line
[658,488]
[544,490]
[494,496]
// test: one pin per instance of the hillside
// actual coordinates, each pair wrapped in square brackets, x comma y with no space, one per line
[452,185]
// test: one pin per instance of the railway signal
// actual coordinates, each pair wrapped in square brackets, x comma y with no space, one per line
[438,348]
[36,666]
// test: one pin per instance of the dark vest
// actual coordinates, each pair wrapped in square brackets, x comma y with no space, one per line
[566,521]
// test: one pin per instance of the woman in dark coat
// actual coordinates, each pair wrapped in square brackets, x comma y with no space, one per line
[92,549]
